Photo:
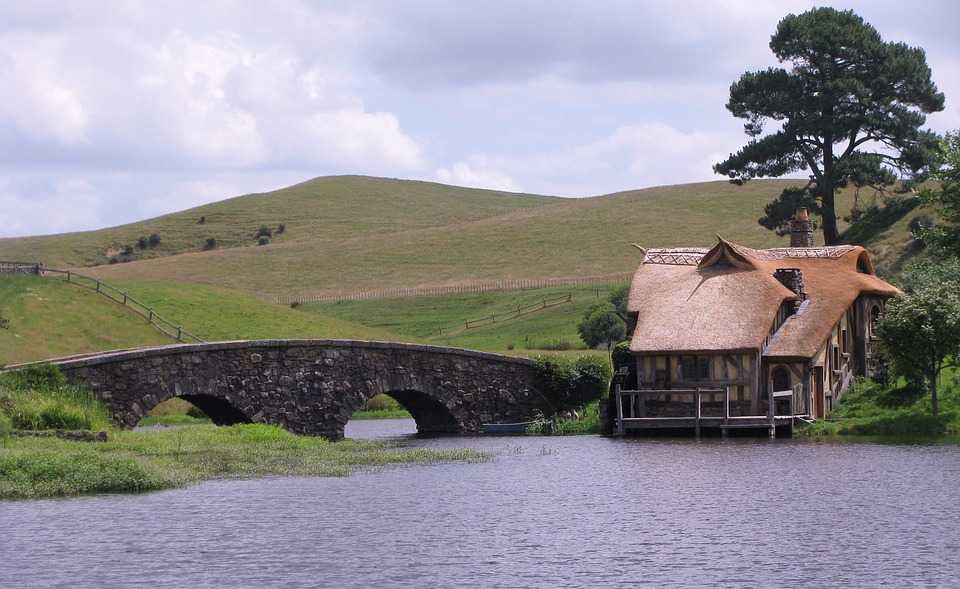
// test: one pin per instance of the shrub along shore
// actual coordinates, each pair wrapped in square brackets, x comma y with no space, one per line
[900,410]
[132,461]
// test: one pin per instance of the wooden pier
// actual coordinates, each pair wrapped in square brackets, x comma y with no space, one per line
[635,419]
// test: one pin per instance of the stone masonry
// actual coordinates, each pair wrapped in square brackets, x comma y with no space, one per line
[313,386]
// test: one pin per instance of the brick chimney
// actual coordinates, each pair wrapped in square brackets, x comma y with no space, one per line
[792,278]
[801,229]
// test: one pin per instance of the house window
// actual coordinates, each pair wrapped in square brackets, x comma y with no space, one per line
[696,368]
[843,341]
[781,379]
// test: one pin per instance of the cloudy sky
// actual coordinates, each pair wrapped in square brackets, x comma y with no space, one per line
[116,111]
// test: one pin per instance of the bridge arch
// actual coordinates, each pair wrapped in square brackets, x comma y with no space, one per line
[313,387]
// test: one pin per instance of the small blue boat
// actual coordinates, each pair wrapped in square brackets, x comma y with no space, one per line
[506,428]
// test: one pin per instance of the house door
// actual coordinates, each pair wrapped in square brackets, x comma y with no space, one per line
[818,391]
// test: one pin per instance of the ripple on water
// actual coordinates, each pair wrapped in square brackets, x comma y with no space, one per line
[571,511]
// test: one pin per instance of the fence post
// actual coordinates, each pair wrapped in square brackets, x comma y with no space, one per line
[150,319]
[179,334]
[98,286]
[124,298]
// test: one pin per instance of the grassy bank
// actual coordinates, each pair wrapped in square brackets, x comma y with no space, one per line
[382,407]
[32,467]
[869,409]
[146,461]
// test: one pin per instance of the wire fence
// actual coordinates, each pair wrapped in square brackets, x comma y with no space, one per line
[468,288]
[546,303]
[111,292]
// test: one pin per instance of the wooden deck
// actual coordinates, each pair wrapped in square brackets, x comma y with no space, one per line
[697,422]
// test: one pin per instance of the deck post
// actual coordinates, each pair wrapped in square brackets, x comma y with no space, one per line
[696,405]
[771,413]
[619,410]
[726,412]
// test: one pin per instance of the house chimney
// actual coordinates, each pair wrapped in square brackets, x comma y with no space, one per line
[801,229]
[792,278]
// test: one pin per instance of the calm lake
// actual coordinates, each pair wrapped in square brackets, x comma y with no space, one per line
[547,512]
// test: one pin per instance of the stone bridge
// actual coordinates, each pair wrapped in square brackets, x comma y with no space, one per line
[313,386]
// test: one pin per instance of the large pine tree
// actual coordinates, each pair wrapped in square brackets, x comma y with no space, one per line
[849,109]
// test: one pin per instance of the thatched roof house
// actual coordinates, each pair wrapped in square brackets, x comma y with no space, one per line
[760,320]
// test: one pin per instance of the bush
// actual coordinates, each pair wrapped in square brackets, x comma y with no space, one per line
[36,377]
[4,323]
[154,240]
[202,220]
[142,242]
[920,225]
[127,250]
[264,240]
[281,228]
[572,383]
[264,231]
[210,244]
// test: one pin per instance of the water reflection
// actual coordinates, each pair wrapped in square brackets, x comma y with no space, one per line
[548,512]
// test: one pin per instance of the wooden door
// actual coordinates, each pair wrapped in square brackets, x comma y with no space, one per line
[818,391]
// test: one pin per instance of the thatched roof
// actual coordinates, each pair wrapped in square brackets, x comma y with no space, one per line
[727,298]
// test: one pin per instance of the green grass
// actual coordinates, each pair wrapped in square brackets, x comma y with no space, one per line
[585,420]
[330,208]
[868,409]
[143,461]
[439,320]
[172,419]
[50,318]
[382,407]
[220,314]
[132,461]
[348,233]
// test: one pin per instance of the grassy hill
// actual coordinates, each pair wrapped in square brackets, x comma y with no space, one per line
[329,209]
[348,233]
[50,318]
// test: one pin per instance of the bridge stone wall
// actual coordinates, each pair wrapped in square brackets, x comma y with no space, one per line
[314,386]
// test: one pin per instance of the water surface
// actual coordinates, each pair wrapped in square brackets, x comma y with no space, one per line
[547,512]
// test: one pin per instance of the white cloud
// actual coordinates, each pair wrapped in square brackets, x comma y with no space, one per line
[476,174]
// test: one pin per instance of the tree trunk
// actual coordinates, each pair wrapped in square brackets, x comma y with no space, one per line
[830,234]
[829,212]
[935,402]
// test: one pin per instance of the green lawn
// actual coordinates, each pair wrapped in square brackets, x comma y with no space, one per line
[440,320]
[50,318]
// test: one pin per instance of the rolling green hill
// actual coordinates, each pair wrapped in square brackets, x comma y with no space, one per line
[330,208]
[50,318]
[348,233]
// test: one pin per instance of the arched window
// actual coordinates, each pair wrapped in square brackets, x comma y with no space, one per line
[781,379]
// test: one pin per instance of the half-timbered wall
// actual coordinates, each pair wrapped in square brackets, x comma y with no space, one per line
[738,370]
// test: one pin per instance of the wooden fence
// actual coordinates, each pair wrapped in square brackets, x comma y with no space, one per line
[114,294]
[546,303]
[470,288]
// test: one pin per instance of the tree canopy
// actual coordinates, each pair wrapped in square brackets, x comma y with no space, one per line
[848,110]
[946,197]
[920,330]
[602,325]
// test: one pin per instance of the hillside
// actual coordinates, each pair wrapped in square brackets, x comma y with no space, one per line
[329,208]
[50,318]
[348,233]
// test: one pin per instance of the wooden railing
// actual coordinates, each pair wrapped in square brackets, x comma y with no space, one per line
[798,407]
[116,295]
[545,303]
